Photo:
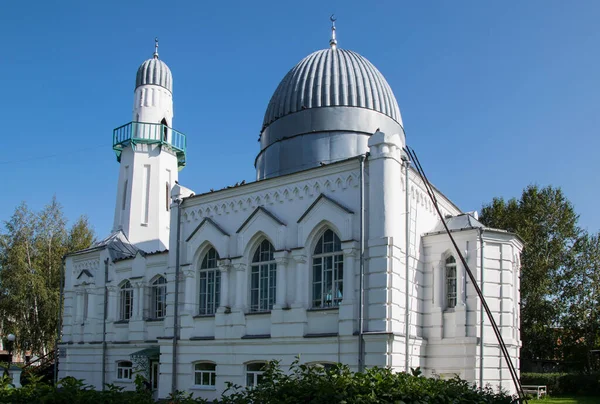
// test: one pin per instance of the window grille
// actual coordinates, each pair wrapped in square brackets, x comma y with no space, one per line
[263,278]
[254,373]
[124,370]
[450,282]
[158,298]
[125,301]
[205,374]
[210,284]
[328,271]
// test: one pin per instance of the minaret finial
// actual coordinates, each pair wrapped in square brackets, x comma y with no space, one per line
[333,41]
[156,48]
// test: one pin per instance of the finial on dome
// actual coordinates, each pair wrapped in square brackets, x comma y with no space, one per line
[156,48]
[333,41]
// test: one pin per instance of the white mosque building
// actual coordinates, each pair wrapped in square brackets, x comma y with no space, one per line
[334,254]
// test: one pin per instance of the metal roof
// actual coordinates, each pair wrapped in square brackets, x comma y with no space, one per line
[332,77]
[154,71]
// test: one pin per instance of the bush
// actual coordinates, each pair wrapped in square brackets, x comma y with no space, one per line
[311,384]
[302,384]
[565,383]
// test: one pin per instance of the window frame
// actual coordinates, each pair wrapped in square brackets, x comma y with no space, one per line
[126,301]
[212,375]
[209,283]
[450,282]
[263,278]
[257,375]
[327,264]
[123,369]
[158,288]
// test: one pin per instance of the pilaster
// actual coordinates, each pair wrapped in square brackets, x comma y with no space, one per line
[301,279]
[348,308]
[224,304]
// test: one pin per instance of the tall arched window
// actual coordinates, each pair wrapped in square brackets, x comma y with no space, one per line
[158,298]
[210,284]
[263,278]
[450,282]
[328,271]
[125,301]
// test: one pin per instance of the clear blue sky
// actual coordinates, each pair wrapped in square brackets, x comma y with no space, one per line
[494,95]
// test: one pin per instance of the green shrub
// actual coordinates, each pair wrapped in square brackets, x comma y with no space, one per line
[302,384]
[316,385]
[565,383]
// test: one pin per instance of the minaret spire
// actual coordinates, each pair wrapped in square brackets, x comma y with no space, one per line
[333,41]
[156,48]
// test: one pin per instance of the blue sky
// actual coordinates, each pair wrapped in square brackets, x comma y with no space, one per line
[494,95]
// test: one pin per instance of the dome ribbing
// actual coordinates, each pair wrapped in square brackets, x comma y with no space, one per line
[155,72]
[330,78]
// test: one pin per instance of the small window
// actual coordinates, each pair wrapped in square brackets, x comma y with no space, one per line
[450,282]
[254,373]
[263,278]
[167,196]
[328,271]
[205,374]
[158,298]
[125,301]
[165,127]
[85,308]
[124,370]
[124,194]
[210,284]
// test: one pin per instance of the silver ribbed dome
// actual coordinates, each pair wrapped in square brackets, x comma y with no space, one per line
[331,78]
[156,72]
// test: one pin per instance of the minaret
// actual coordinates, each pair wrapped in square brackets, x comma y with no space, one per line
[150,153]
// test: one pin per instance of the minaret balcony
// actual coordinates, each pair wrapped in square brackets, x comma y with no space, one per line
[134,133]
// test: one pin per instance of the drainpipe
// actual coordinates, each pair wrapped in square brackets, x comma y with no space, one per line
[406,164]
[59,322]
[361,348]
[481,314]
[176,303]
[105,315]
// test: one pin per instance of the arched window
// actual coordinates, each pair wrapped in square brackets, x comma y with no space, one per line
[450,282]
[205,374]
[263,278]
[125,301]
[124,370]
[165,128]
[158,298]
[210,284]
[254,373]
[328,271]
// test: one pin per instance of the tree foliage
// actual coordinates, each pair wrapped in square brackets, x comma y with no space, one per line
[558,271]
[32,246]
[580,294]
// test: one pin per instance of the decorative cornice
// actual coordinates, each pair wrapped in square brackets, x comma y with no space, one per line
[334,182]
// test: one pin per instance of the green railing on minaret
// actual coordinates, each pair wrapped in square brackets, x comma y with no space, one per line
[134,133]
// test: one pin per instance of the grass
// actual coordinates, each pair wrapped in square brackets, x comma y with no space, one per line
[568,400]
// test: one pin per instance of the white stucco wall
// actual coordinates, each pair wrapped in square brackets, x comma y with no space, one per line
[292,212]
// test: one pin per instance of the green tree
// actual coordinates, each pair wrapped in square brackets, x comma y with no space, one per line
[580,292]
[31,251]
[545,219]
